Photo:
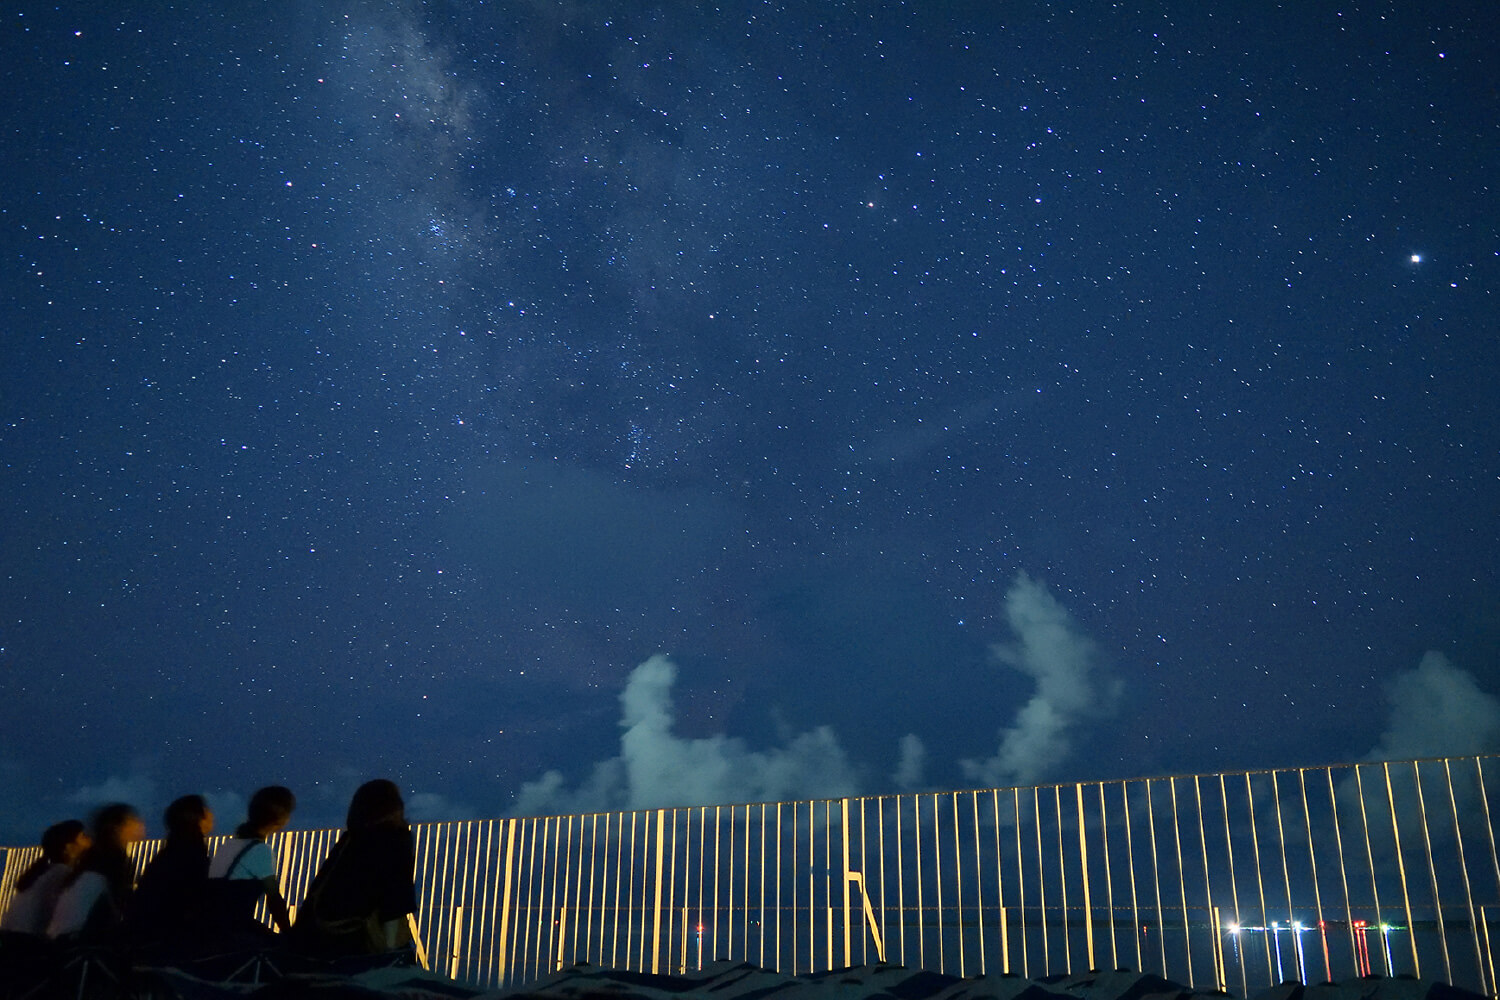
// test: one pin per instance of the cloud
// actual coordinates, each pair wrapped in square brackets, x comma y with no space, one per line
[1070,687]
[550,795]
[656,768]
[137,789]
[140,789]
[1437,710]
[912,765]
[434,807]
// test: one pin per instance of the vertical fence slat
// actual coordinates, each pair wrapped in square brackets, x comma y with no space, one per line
[1000,886]
[1390,797]
[1437,902]
[1021,886]
[1109,880]
[978,883]
[1062,877]
[1486,984]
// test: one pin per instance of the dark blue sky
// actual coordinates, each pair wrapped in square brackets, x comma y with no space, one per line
[1074,394]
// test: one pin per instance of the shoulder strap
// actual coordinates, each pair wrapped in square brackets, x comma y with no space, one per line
[228,872]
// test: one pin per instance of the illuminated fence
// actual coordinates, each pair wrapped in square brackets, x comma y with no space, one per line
[1230,881]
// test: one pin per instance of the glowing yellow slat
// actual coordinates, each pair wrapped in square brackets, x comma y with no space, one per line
[1041,880]
[1208,894]
[1260,885]
[916,825]
[1062,876]
[1109,880]
[900,883]
[958,878]
[761,882]
[1021,884]
[778,888]
[1135,908]
[1181,881]
[1390,797]
[1088,902]
[1437,903]
[1000,886]
[1463,867]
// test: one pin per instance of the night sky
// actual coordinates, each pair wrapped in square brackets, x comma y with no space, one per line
[573,405]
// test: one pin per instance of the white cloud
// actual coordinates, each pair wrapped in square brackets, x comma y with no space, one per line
[139,790]
[550,794]
[656,768]
[1438,710]
[1070,687]
[911,769]
[434,807]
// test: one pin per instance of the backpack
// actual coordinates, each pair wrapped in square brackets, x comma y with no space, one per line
[229,903]
[313,931]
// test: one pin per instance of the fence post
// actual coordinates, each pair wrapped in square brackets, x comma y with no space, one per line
[844,823]
[455,942]
[1088,906]
[503,938]
[661,846]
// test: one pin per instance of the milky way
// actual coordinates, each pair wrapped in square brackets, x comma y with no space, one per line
[500,397]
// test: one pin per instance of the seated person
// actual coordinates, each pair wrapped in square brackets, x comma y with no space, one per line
[40,884]
[91,908]
[359,901]
[244,870]
[167,908]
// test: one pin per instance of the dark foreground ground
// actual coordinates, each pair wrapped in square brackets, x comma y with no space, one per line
[744,982]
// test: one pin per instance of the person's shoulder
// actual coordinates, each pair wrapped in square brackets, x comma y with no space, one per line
[52,880]
[76,902]
[259,852]
[238,853]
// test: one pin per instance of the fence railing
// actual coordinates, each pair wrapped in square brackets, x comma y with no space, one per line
[1225,881]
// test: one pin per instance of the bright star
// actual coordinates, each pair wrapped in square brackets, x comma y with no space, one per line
[1416,258]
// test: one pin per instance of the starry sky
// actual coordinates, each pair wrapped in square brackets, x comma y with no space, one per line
[576,405]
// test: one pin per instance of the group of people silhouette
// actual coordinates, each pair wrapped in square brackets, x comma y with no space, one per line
[191,901]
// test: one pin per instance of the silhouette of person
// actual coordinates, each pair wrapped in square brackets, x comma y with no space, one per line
[244,870]
[42,882]
[167,907]
[91,908]
[359,901]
